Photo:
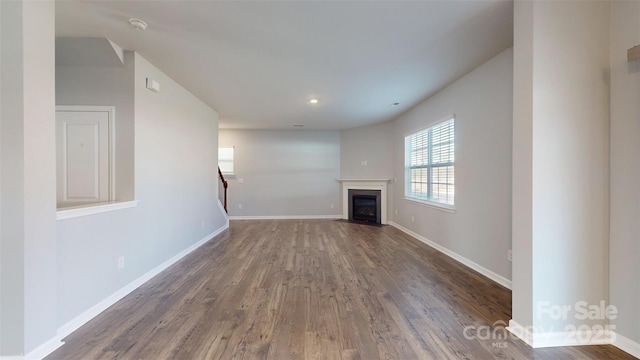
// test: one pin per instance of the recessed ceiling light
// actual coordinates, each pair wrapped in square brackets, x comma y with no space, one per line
[138,24]
[313,101]
[297,125]
[395,104]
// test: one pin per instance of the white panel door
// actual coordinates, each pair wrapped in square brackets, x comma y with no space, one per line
[82,155]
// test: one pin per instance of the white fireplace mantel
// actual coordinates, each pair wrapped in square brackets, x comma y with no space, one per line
[364,184]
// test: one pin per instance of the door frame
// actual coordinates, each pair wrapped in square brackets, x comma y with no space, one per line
[111,110]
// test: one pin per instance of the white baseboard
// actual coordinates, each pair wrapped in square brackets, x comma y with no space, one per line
[568,338]
[565,338]
[44,349]
[286,217]
[481,269]
[40,352]
[224,213]
[92,312]
[521,332]
[627,345]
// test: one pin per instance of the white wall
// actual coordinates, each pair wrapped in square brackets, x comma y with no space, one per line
[39,173]
[570,154]
[28,261]
[565,116]
[285,172]
[12,207]
[372,144]
[624,276]
[1,197]
[109,86]
[522,196]
[367,152]
[176,183]
[480,229]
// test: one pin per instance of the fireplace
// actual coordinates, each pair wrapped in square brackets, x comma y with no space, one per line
[378,188]
[365,206]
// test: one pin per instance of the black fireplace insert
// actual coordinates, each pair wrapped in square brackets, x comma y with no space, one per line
[365,206]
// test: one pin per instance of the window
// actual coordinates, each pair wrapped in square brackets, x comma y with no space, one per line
[429,164]
[225,160]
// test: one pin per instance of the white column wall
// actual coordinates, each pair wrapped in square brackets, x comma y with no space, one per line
[11,206]
[29,277]
[39,174]
[522,198]
[561,108]
[624,276]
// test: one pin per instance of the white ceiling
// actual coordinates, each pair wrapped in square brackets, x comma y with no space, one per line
[259,62]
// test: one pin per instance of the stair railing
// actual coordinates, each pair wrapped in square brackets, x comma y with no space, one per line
[222,189]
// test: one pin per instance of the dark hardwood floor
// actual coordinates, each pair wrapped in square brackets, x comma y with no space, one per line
[311,289]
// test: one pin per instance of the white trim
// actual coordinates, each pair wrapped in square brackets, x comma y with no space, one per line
[569,338]
[481,269]
[224,213]
[627,345]
[92,312]
[40,352]
[407,165]
[77,211]
[364,180]
[112,153]
[520,332]
[45,349]
[433,204]
[111,124]
[285,217]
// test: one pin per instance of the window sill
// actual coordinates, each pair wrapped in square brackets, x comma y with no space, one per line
[74,212]
[436,205]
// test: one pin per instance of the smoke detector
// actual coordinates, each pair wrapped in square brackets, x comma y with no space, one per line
[138,24]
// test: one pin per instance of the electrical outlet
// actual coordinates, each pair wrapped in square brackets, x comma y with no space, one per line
[412,219]
[120,262]
[240,181]
[509,255]
[203,224]
[239,206]
[396,211]
[332,206]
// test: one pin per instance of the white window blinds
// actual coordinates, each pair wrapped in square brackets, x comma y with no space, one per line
[430,163]
[225,160]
